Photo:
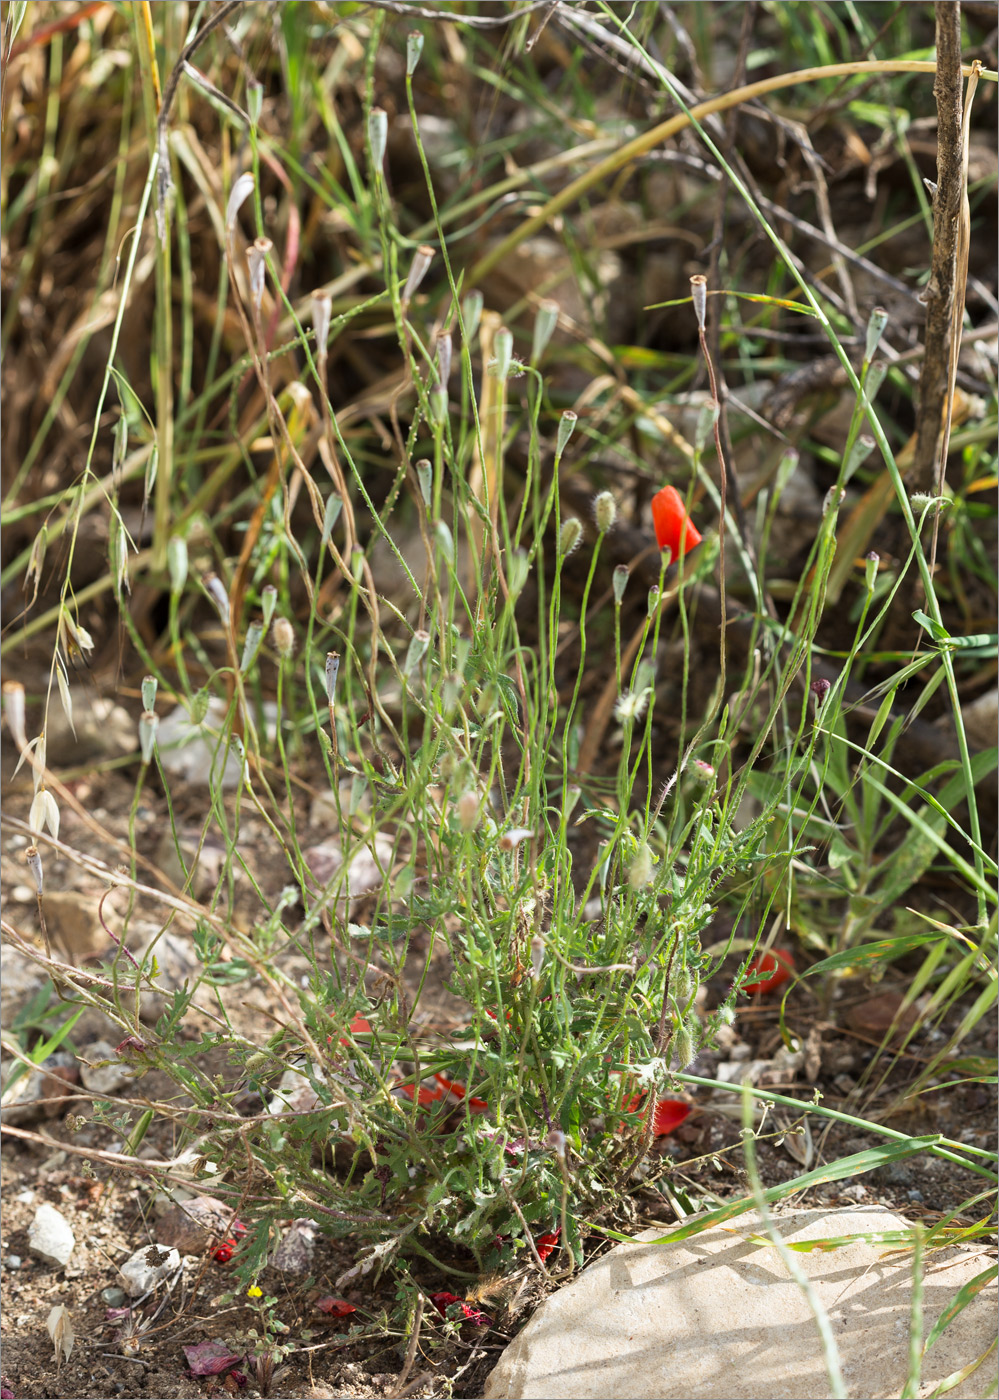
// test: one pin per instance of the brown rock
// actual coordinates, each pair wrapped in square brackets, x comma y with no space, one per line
[190,1228]
[874,1018]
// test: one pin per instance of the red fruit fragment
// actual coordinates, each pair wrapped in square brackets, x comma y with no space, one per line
[334,1307]
[771,971]
[210,1358]
[674,528]
[545,1244]
[442,1301]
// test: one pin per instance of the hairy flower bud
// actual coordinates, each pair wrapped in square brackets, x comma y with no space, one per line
[283,637]
[569,535]
[605,511]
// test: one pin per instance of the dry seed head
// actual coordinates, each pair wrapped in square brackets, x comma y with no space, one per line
[241,190]
[283,637]
[418,268]
[34,863]
[699,295]
[377,137]
[216,591]
[257,260]
[445,353]
[322,310]
[13,704]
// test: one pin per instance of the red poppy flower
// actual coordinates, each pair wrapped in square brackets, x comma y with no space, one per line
[224,1252]
[670,1113]
[425,1097]
[442,1301]
[675,530]
[771,971]
[451,1086]
[545,1244]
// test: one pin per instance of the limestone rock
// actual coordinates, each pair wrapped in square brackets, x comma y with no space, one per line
[101,1070]
[144,1269]
[50,1237]
[719,1315]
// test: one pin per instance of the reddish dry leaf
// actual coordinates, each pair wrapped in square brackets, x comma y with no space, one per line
[210,1358]
[334,1307]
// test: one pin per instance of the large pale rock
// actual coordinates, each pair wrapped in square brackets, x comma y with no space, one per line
[50,1236]
[720,1316]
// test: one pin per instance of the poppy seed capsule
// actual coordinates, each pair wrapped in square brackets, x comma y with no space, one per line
[620,582]
[871,569]
[565,426]
[148,724]
[377,137]
[177,562]
[414,47]
[699,296]
[471,314]
[149,685]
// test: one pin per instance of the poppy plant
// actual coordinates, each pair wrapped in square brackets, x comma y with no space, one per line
[675,530]
[768,972]
[443,1301]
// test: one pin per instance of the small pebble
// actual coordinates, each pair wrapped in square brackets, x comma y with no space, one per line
[22,894]
[915,1195]
[114,1297]
[12,1262]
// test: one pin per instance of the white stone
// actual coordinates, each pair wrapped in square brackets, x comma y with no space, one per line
[197,752]
[719,1315]
[103,1078]
[50,1237]
[140,1276]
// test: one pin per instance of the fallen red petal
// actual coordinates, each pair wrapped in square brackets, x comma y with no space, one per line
[210,1358]
[334,1307]
[674,528]
[451,1086]
[772,970]
[442,1301]
[545,1244]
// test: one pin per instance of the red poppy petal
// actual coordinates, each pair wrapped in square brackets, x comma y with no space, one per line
[670,1113]
[772,968]
[426,1096]
[674,528]
[334,1307]
[545,1244]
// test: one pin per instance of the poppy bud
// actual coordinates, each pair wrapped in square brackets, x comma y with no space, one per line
[414,47]
[471,314]
[377,137]
[619,582]
[468,810]
[544,327]
[565,426]
[605,511]
[674,528]
[569,535]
